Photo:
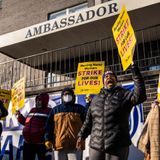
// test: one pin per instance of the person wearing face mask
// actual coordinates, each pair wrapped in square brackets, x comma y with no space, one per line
[62,127]
[34,128]
[107,118]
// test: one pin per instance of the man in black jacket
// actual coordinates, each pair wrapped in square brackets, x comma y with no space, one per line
[107,118]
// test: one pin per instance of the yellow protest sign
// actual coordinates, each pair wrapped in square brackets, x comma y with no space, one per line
[18,95]
[124,37]
[89,77]
[5,97]
[158,90]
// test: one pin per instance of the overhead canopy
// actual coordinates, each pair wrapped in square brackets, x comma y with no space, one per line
[91,24]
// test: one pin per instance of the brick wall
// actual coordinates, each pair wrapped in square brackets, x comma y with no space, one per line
[151,83]
[18,14]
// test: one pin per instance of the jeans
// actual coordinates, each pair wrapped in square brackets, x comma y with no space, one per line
[31,150]
[65,154]
[118,154]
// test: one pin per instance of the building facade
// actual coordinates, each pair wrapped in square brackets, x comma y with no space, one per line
[44,41]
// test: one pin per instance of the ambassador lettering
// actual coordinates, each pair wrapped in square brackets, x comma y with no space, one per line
[72,20]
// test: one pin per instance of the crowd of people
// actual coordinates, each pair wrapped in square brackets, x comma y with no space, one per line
[65,127]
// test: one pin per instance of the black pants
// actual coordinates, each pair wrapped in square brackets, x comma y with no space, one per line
[31,150]
[118,154]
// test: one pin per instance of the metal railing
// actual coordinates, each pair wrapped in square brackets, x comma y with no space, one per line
[58,67]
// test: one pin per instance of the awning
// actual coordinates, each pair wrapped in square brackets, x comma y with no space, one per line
[91,24]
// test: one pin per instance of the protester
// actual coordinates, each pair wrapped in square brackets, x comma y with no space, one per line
[3,113]
[107,118]
[63,125]
[149,141]
[34,128]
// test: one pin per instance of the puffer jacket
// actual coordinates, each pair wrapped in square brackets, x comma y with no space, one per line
[64,123]
[107,117]
[34,125]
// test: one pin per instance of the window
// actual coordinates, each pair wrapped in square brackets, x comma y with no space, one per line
[0,4]
[78,8]
[57,14]
[67,11]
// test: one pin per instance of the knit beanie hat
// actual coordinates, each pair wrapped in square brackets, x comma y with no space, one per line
[109,72]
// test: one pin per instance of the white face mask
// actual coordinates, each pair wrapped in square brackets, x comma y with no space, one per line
[67,98]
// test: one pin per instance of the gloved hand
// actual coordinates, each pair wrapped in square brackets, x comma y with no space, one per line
[135,70]
[48,145]
[18,113]
[88,98]
[80,145]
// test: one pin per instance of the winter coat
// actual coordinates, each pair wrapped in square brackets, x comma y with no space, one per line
[34,125]
[108,114]
[63,125]
[149,141]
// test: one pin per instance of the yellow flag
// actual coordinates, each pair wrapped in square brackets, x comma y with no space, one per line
[124,36]
[89,77]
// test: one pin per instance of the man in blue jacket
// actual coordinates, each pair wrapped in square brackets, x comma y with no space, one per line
[63,125]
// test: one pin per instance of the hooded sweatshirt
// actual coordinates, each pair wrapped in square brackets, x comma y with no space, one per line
[34,123]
